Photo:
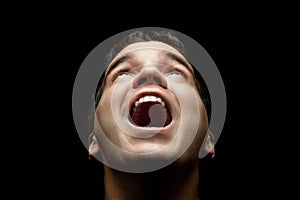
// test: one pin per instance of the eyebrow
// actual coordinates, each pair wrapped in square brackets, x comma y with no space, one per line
[179,60]
[130,56]
[119,61]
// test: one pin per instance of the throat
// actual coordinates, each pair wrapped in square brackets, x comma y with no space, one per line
[150,114]
[161,184]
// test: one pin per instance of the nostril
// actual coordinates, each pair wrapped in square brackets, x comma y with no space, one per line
[142,81]
[157,80]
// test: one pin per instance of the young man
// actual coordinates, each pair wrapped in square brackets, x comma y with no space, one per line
[151,119]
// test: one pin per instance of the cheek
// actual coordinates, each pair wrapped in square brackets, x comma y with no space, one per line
[203,125]
[104,102]
[103,111]
[203,113]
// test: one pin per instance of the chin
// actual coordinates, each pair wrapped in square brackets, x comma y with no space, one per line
[147,154]
[146,145]
[153,140]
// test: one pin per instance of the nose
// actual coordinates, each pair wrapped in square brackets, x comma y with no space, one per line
[149,75]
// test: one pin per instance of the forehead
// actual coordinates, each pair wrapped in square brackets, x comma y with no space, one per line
[149,45]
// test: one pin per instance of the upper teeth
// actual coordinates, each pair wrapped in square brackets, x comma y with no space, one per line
[149,99]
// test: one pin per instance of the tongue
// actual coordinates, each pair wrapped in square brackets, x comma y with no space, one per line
[150,114]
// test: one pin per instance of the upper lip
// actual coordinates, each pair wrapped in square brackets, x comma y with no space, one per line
[166,96]
[155,91]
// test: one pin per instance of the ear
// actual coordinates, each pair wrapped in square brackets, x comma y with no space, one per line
[93,144]
[208,145]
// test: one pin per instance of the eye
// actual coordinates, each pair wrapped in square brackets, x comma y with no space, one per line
[121,74]
[176,73]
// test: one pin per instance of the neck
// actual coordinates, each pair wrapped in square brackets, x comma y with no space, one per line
[172,182]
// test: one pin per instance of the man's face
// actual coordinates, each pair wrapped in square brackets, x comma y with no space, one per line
[150,103]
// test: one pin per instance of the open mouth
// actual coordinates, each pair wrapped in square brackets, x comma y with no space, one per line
[150,111]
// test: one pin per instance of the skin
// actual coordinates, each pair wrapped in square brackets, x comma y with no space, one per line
[160,69]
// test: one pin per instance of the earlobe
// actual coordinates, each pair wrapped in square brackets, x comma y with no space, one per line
[208,145]
[93,145]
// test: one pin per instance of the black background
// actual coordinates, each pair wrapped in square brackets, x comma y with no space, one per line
[217,175]
[45,48]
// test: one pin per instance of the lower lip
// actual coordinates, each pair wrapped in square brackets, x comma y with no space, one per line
[151,130]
